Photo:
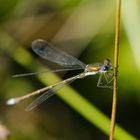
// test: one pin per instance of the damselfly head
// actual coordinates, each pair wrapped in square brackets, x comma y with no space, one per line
[107,62]
[107,65]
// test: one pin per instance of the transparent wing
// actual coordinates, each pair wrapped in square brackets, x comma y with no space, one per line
[48,94]
[40,100]
[46,51]
[42,72]
[106,80]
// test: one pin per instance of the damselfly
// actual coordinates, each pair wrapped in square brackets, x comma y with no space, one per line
[46,51]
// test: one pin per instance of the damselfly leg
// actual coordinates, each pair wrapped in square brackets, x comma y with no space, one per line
[105,80]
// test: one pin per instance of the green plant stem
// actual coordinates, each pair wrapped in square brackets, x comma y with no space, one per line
[116,52]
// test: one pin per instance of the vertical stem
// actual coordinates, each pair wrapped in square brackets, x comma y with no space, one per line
[116,52]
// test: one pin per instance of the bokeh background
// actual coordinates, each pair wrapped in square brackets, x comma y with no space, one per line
[85,29]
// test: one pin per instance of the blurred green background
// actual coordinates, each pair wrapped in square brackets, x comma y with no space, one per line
[85,29]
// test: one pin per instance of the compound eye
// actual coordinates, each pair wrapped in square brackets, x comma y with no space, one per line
[105,68]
